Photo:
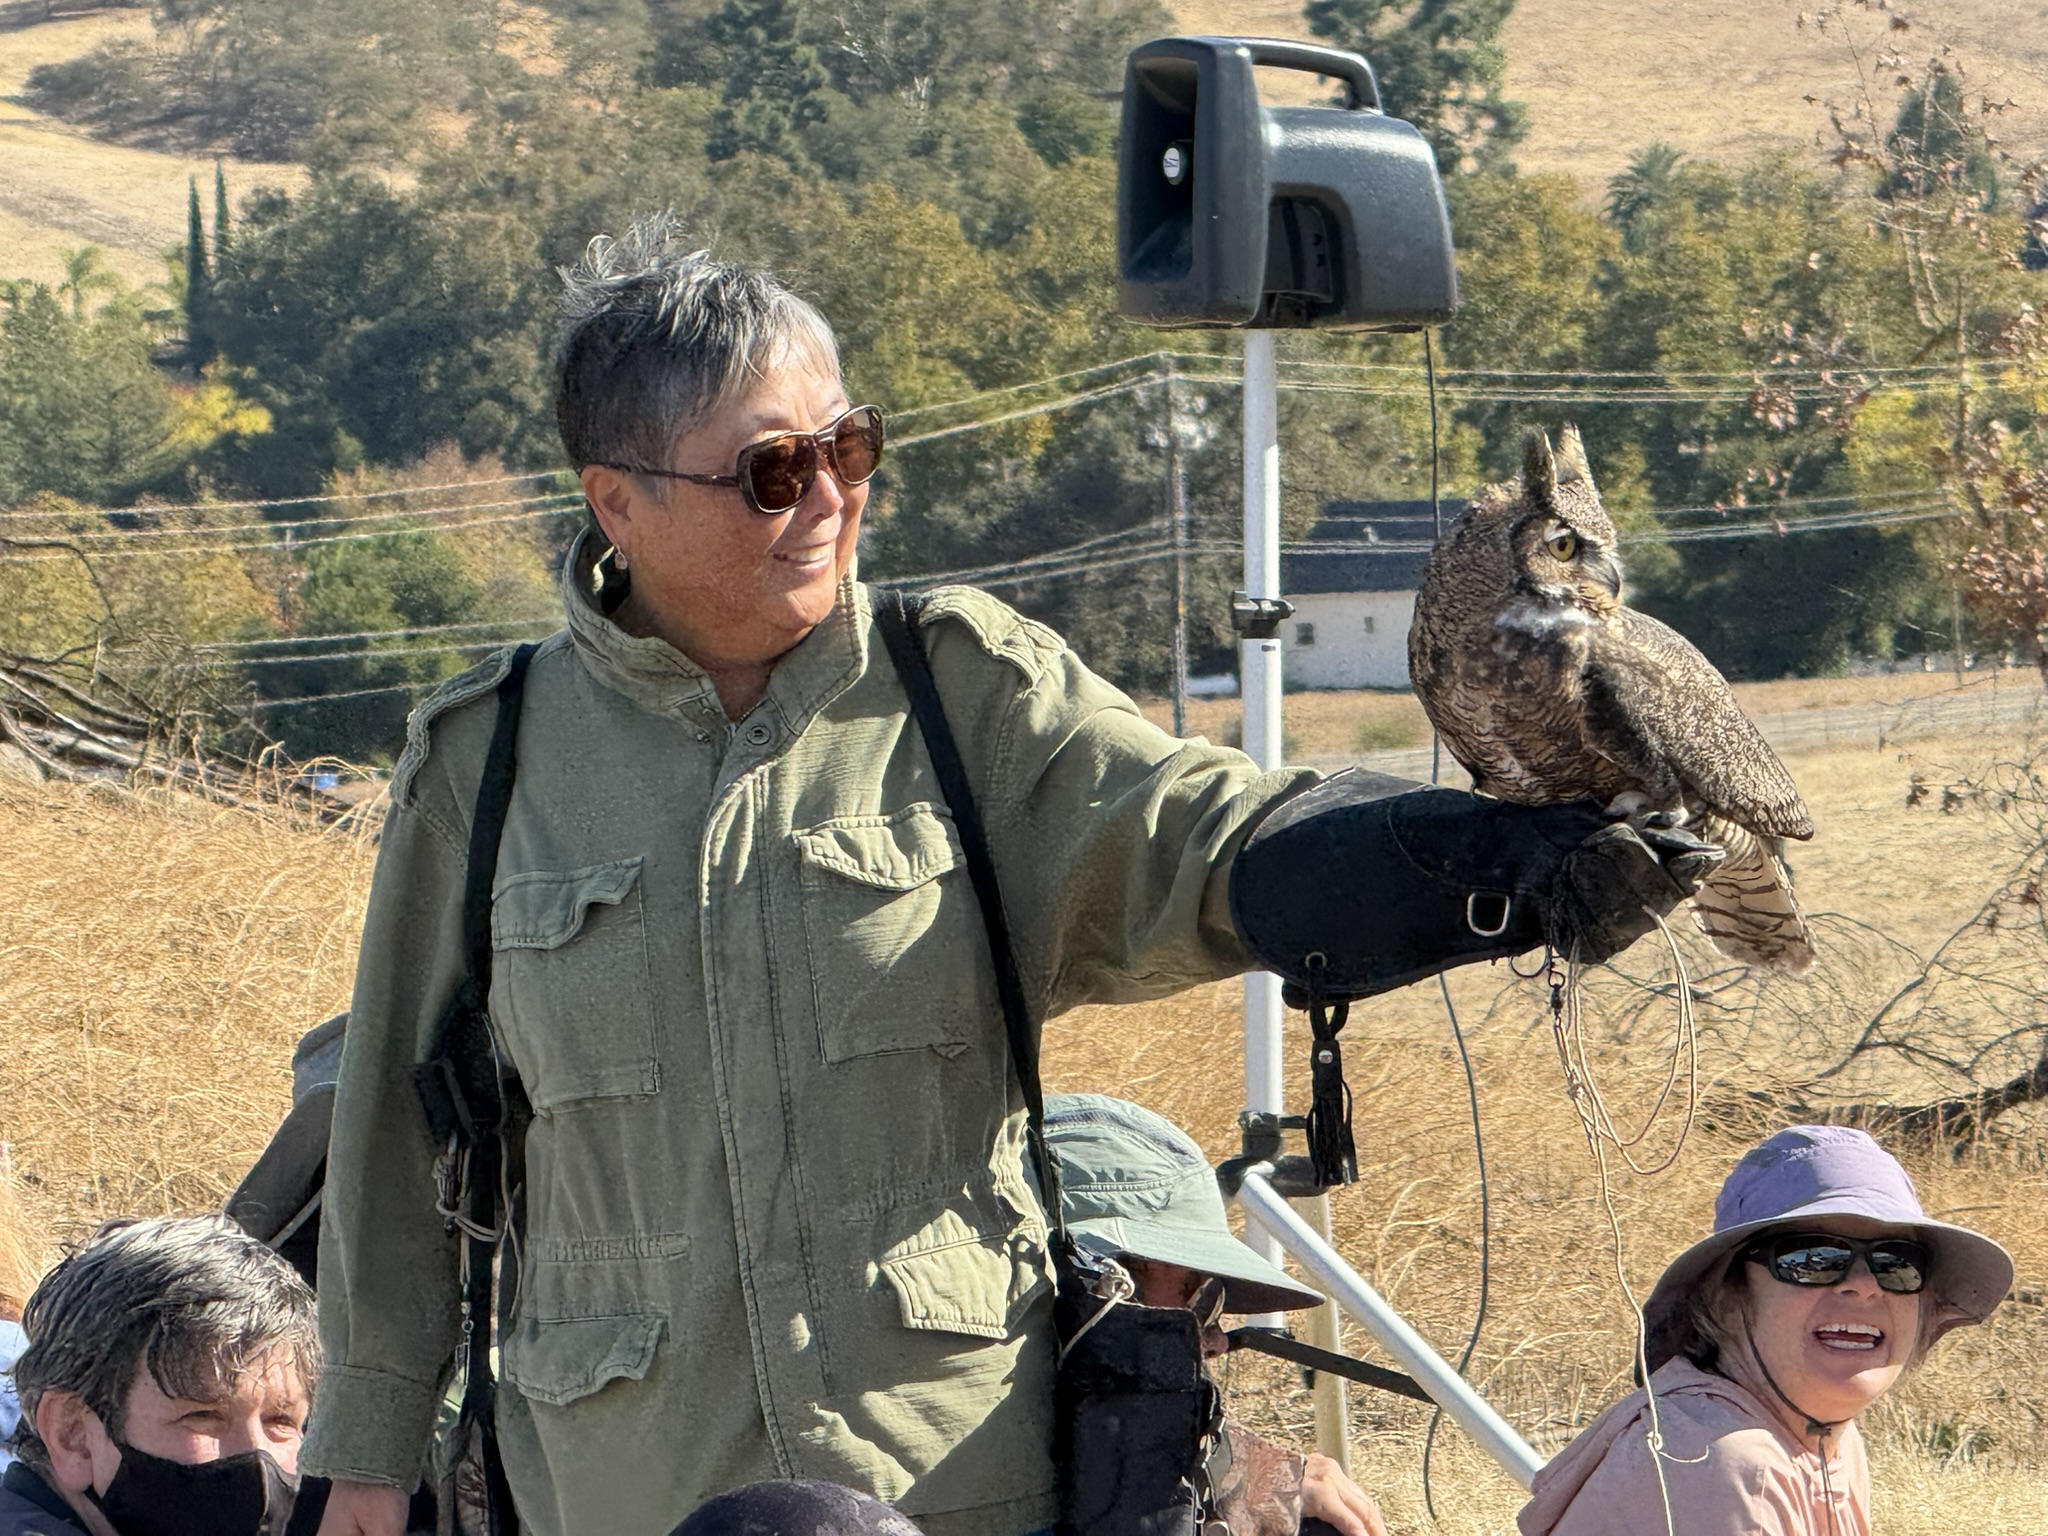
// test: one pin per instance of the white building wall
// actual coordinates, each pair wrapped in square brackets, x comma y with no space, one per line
[1348,639]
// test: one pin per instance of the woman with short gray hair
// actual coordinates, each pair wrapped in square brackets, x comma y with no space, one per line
[777,1217]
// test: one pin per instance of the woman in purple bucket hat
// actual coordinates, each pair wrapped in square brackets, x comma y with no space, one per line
[1822,1283]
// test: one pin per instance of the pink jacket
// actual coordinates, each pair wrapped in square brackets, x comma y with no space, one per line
[1731,1467]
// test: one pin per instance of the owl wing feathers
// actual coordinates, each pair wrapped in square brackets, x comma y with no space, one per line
[1652,698]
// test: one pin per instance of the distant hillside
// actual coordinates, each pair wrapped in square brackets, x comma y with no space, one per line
[60,188]
[1717,78]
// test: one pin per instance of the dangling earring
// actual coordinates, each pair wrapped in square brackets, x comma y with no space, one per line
[618,558]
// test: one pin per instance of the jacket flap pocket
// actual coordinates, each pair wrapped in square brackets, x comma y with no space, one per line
[952,1278]
[559,1359]
[543,908]
[890,853]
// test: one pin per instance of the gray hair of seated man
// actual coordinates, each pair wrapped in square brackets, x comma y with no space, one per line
[194,1299]
[795,1507]
[657,335]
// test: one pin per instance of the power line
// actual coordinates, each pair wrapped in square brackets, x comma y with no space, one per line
[117,536]
[363,634]
[348,693]
[1103,393]
[1147,360]
[973,573]
[1759,529]
[399,653]
[1824,373]
[296,544]
[294,501]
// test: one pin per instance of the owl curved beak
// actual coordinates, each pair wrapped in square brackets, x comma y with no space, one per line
[1604,568]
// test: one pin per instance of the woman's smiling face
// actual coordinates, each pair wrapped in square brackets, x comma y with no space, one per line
[727,585]
[1832,1349]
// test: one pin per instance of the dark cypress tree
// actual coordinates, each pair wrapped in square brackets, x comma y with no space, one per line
[222,224]
[199,341]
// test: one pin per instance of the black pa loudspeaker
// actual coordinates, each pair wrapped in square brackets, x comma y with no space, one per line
[1232,213]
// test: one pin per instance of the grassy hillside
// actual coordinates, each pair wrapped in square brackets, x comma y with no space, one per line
[1723,78]
[1600,77]
[60,188]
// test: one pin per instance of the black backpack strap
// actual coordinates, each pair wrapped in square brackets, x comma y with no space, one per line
[472,1098]
[459,1084]
[897,615]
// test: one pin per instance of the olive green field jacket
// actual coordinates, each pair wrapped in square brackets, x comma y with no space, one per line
[779,1220]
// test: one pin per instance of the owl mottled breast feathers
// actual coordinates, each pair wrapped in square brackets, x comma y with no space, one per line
[1548,688]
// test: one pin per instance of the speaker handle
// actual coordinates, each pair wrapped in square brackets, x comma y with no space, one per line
[1337,63]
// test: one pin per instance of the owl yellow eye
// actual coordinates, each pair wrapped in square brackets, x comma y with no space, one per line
[1564,544]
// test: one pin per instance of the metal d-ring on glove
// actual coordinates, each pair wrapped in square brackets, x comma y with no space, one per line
[1365,882]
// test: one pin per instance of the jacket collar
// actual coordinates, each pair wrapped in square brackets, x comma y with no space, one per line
[662,680]
[25,1483]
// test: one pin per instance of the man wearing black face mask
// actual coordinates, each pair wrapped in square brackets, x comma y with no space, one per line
[170,1368]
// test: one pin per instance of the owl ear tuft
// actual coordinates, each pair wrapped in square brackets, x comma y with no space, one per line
[1539,469]
[1571,458]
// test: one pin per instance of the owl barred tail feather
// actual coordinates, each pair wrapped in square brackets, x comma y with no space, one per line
[1747,908]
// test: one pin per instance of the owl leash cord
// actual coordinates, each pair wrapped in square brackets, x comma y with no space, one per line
[1436,762]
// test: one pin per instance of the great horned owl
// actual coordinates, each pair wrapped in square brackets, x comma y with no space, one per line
[1548,688]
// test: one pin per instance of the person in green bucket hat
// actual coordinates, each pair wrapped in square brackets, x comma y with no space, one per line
[1135,1188]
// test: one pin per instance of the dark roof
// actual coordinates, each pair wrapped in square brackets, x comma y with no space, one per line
[1369,546]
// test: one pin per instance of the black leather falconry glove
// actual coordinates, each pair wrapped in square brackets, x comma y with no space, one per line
[1365,883]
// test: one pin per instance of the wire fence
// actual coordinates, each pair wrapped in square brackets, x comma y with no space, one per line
[2003,704]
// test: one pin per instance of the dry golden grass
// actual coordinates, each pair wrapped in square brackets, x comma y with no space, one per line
[61,188]
[1602,78]
[24,1245]
[158,960]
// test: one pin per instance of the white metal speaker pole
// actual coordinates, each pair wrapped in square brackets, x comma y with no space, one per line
[1434,1374]
[1258,671]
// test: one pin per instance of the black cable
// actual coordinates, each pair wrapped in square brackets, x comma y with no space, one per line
[1485,1231]
[1436,517]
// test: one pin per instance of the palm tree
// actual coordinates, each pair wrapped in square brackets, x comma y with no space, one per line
[1640,188]
[85,273]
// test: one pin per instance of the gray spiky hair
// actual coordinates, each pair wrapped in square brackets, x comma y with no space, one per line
[657,334]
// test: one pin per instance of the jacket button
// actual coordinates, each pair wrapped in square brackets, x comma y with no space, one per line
[759,735]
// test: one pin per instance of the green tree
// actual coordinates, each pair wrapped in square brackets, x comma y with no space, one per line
[223,221]
[1634,194]
[200,344]
[774,82]
[393,581]
[1530,258]
[85,274]
[374,324]
[1933,144]
[1439,64]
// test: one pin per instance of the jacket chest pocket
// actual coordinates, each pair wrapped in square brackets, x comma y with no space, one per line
[571,988]
[892,935]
